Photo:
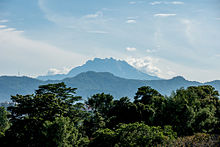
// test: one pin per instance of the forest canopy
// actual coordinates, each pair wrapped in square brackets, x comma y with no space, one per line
[55,116]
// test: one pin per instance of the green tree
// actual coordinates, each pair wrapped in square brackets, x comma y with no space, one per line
[151,103]
[61,91]
[141,135]
[193,110]
[62,133]
[146,95]
[93,122]
[122,111]
[100,103]
[30,113]
[133,135]
[4,122]
[103,138]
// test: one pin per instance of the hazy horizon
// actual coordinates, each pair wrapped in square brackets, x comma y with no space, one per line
[165,38]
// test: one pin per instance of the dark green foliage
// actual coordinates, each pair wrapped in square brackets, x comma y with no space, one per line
[4,122]
[54,117]
[146,95]
[100,103]
[152,104]
[60,90]
[193,110]
[32,112]
[197,140]
[61,132]
[104,138]
[122,111]
[133,135]
[93,122]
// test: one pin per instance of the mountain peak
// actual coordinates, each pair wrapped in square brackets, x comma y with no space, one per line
[119,68]
[97,60]
[178,78]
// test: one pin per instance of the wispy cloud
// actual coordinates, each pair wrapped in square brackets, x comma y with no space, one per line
[96,15]
[20,50]
[218,18]
[151,51]
[217,55]
[93,21]
[164,15]
[3,26]
[165,2]
[3,21]
[176,3]
[132,2]
[131,49]
[54,71]
[131,21]
[98,32]
[156,3]
[188,30]
[9,29]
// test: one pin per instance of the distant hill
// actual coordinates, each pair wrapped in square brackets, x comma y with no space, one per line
[117,67]
[10,85]
[89,83]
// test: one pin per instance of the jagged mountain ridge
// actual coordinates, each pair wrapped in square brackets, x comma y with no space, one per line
[117,67]
[89,83]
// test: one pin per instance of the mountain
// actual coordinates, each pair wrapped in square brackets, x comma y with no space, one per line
[89,83]
[117,67]
[165,87]
[10,85]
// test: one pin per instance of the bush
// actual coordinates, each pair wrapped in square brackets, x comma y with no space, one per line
[133,135]
[197,140]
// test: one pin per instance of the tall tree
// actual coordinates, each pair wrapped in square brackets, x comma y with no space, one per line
[193,110]
[4,122]
[30,112]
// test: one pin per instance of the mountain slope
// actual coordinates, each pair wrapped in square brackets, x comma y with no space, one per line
[117,67]
[165,87]
[89,83]
[10,85]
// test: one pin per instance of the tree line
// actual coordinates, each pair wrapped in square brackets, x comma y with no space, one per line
[55,116]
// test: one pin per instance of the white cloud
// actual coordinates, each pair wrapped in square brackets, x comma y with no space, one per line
[171,73]
[3,21]
[86,23]
[132,3]
[164,15]
[96,15]
[131,49]
[98,32]
[9,29]
[31,56]
[188,29]
[217,55]
[3,26]
[54,71]
[165,2]
[131,21]
[150,51]
[218,18]
[145,64]
[166,69]
[177,3]
[156,3]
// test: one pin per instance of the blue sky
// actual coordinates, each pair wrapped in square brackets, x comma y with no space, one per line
[164,38]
